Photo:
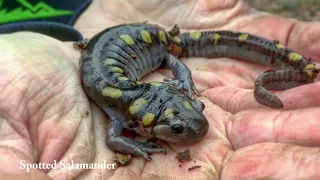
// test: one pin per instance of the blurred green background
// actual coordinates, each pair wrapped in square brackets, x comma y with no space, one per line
[305,10]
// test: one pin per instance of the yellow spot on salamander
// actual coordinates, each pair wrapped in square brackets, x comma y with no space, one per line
[146,36]
[155,83]
[216,36]
[162,36]
[137,105]
[309,69]
[195,35]
[127,39]
[147,119]
[177,39]
[169,113]
[279,46]
[243,37]
[309,66]
[111,92]
[310,73]
[109,61]
[122,78]
[117,70]
[187,105]
[294,56]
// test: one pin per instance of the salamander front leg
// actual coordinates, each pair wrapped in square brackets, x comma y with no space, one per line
[122,144]
[278,80]
[182,74]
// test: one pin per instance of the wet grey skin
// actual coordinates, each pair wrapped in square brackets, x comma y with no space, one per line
[115,59]
[288,68]
[112,62]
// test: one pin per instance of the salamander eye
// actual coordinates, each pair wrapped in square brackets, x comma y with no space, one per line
[177,129]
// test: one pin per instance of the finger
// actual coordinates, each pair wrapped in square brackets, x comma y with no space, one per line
[300,127]
[236,99]
[305,38]
[273,161]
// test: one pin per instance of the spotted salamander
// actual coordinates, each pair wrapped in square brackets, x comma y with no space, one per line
[113,61]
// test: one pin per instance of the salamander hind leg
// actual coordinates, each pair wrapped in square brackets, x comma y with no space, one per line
[278,80]
[182,74]
[125,145]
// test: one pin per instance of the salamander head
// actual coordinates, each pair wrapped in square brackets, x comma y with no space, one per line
[181,120]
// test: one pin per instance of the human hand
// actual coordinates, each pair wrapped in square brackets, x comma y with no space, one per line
[51,120]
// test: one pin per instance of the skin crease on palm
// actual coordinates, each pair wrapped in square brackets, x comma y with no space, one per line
[44,109]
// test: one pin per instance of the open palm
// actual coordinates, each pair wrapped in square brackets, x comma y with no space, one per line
[48,117]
